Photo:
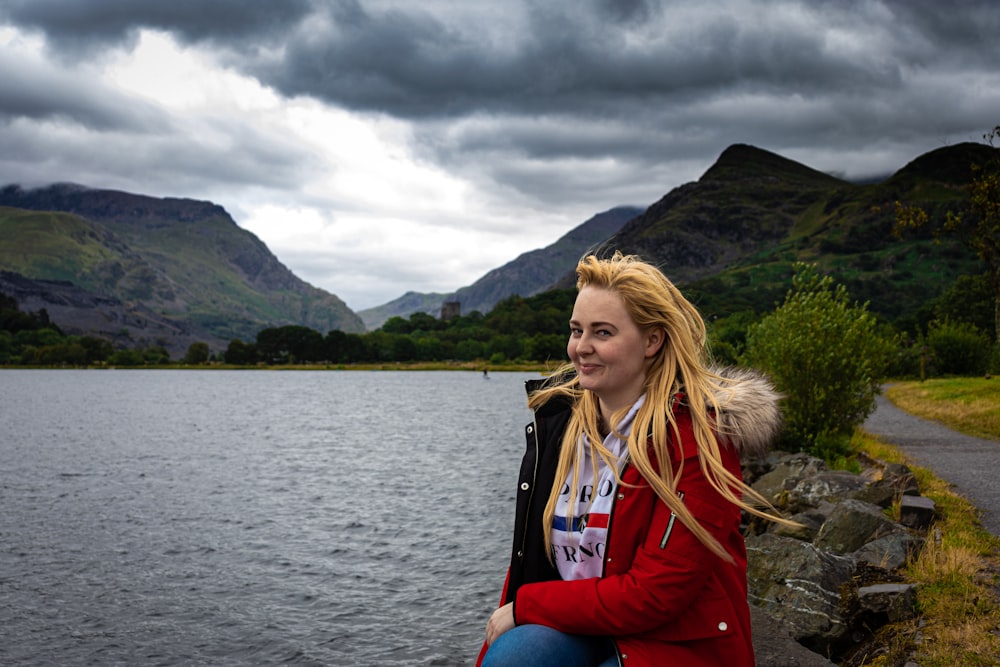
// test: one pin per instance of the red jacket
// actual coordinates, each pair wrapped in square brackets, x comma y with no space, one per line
[664,597]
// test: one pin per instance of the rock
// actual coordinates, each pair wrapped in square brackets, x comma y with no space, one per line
[890,552]
[774,646]
[800,585]
[787,470]
[811,521]
[824,486]
[851,525]
[897,602]
[916,511]
[833,581]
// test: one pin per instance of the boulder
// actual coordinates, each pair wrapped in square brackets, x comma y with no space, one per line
[851,525]
[823,486]
[831,581]
[800,585]
[916,511]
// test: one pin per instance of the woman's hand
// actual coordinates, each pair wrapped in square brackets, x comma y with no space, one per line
[500,622]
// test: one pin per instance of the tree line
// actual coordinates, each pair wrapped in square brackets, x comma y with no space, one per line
[951,336]
[826,354]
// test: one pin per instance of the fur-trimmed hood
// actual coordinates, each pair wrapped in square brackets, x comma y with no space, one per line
[749,417]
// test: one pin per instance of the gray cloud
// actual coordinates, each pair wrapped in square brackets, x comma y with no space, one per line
[542,104]
[75,28]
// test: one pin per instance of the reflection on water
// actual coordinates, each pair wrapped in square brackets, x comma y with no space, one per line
[253,517]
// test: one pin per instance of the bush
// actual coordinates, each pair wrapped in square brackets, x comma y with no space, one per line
[959,348]
[826,356]
[197,353]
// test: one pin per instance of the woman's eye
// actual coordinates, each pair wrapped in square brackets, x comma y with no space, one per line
[575,331]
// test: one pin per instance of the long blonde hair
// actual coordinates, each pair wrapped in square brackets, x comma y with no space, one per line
[681,365]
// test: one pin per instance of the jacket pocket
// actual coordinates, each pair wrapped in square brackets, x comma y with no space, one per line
[710,616]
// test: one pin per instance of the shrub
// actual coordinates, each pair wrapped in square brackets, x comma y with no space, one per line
[827,356]
[959,348]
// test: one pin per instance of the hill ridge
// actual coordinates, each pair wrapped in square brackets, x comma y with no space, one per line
[184,258]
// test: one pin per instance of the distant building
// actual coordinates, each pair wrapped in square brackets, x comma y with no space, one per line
[450,310]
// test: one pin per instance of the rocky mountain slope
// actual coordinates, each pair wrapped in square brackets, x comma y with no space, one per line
[174,270]
[731,238]
[186,261]
[528,274]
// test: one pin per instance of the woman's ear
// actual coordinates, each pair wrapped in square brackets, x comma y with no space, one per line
[654,341]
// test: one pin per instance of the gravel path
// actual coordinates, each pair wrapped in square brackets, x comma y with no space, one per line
[970,465]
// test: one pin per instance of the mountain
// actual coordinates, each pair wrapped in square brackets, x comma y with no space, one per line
[79,312]
[530,273]
[748,200]
[731,238]
[404,306]
[184,260]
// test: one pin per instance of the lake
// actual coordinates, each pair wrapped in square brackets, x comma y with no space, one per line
[254,517]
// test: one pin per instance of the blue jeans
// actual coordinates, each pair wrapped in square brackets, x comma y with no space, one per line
[541,646]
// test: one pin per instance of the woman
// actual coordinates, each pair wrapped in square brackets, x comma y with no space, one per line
[627,545]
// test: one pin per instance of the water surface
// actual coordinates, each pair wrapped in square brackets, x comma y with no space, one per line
[253,517]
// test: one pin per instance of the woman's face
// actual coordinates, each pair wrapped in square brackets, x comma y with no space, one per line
[607,348]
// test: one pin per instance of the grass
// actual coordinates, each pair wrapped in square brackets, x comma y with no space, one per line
[958,569]
[969,405]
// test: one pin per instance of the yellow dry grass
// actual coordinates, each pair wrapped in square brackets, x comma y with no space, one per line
[969,405]
[958,576]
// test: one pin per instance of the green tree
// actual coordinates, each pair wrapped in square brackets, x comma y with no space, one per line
[240,353]
[98,349]
[826,356]
[292,343]
[197,353]
[958,348]
[546,347]
[978,226]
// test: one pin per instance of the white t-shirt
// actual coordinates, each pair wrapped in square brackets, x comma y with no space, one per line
[578,550]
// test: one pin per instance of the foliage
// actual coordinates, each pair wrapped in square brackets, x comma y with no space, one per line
[197,353]
[958,348]
[968,299]
[728,336]
[977,225]
[826,356]
[30,339]
[239,353]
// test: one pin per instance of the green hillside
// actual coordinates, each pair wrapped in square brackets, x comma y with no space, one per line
[731,238]
[185,260]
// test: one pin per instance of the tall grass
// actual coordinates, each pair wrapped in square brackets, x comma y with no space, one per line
[958,569]
[969,405]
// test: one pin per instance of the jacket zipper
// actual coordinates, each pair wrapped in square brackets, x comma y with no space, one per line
[611,524]
[534,479]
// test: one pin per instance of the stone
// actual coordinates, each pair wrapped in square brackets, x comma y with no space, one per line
[890,552]
[852,524]
[897,602]
[916,511]
[800,585]
[773,644]
[830,486]
[787,470]
[811,521]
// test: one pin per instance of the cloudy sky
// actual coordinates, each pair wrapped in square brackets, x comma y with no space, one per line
[381,146]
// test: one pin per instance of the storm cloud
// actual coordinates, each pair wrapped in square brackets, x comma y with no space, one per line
[517,118]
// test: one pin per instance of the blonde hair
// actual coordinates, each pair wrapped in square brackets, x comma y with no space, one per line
[681,364]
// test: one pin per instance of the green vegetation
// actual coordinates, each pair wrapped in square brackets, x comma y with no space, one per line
[976,223]
[186,261]
[828,359]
